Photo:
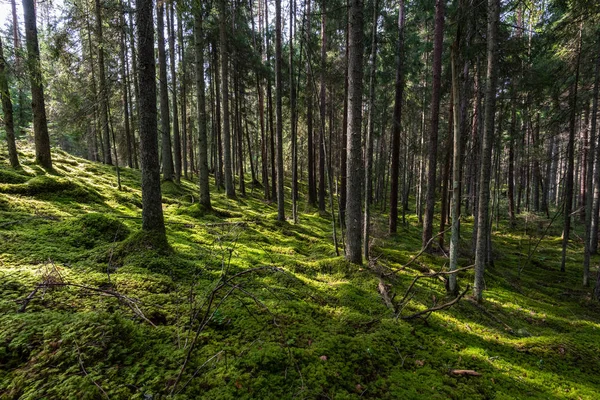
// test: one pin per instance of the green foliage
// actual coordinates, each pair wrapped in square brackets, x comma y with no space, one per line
[314,328]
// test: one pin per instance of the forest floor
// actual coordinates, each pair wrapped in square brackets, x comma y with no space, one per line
[90,308]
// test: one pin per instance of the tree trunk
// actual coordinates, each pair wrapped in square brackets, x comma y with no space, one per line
[122,50]
[435,121]
[40,124]
[596,184]
[152,214]
[488,139]
[165,124]
[229,188]
[7,109]
[279,113]
[103,87]
[322,107]
[293,117]
[176,135]
[201,111]
[370,134]
[568,206]
[354,146]
[396,122]
[343,165]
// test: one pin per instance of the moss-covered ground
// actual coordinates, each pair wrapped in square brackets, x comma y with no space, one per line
[117,316]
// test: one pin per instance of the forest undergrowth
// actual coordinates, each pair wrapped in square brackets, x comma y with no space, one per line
[241,306]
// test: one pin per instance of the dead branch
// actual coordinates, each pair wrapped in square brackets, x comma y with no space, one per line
[85,372]
[381,287]
[464,372]
[436,308]
[430,276]
[425,247]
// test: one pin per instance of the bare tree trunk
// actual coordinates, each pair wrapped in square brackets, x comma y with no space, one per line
[435,120]
[596,202]
[486,153]
[229,188]
[370,134]
[293,117]
[279,114]
[322,107]
[152,214]
[103,87]
[201,111]
[165,124]
[176,135]
[122,50]
[7,109]
[354,146]
[343,164]
[396,122]
[568,207]
[40,124]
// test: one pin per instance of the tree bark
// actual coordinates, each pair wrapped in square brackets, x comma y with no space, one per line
[486,154]
[201,110]
[229,188]
[176,133]
[435,121]
[396,122]
[568,206]
[7,109]
[354,146]
[279,113]
[103,87]
[152,214]
[40,124]
[165,124]
[370,134]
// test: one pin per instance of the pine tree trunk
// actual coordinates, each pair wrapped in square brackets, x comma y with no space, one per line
[370,134]
[279,113]
[176,133]
[7,109]
[354,144]
[102,86]
[152,214]
[229,188]
[40,124]
[396,122]
[201,111]
[322,107]
[432,141]
[122,52]
[165,123]
[568,206]
[596,181]
[483,226]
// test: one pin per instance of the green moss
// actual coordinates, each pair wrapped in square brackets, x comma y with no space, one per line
[314,328]
[11,176]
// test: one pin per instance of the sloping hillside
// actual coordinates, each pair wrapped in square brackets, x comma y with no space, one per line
[243,307]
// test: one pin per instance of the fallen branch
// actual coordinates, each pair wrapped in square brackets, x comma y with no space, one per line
[436,308]
[464,372]
[431,276]
[425,247]
[381,287]
[85,372]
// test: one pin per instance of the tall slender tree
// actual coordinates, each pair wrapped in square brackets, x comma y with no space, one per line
[200,88]
[152,214]
[432,142]
[7,109]
[483,225]
[38,105]
[165,118]
[354,144]
[396,121]
[279,113]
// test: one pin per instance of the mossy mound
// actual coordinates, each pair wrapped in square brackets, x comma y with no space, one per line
[46,186]
[12,176]
[91,230]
